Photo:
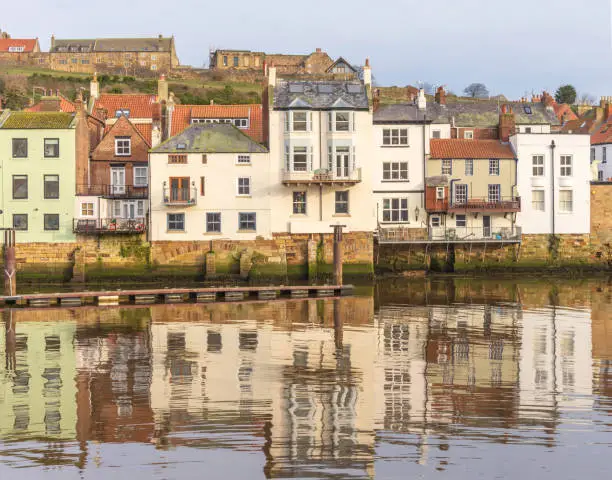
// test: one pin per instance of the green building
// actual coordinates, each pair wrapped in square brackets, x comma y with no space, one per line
[37,161]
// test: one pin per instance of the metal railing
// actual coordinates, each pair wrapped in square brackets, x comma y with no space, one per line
[323,175]
[475,204]
[180,196]
[114,191]
[97,226]
[447,234]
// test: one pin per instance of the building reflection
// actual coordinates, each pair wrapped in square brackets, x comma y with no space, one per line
[312,384]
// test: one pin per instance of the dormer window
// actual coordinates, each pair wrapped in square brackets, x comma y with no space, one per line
[16,49]
[123,146]
[122,111]
[181,146]
[527,110]
[468,134]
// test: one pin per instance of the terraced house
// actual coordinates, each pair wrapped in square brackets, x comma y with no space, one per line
[37,160]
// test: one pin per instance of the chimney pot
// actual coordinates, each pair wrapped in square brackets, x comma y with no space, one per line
[318,50]
[367,62]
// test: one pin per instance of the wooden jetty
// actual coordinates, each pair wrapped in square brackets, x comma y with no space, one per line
[175,295]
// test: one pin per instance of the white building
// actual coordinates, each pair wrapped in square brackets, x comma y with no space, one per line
[210,182]
[553,180]
[321,156]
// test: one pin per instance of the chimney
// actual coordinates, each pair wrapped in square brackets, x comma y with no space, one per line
[50,104]
[421,100]
[507,123]
[94,87]
[440,96]
[52,42]
[212,102]
[160,37]
[169,112]
[367,73]
[162,89]
[547,99]
[271,75]
[82,143]
[376,99]
[318,50]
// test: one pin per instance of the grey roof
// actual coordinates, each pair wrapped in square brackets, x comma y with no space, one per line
[210,138]
[154,44]
[483,113]
[399,113]
[321,95]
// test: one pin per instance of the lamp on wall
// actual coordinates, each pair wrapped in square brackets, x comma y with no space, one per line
[416,213]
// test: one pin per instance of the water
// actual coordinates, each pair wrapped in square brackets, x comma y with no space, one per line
[458,379]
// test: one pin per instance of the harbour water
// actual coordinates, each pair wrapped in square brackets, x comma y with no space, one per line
[453,378]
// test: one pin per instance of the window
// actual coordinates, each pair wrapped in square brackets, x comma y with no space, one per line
[51,147]
[299,203]
[395,210]
[537,200]
[439,193]
[566,201]
[435,134]
[175,222]
[603,155]
[51,221]
[469,167]
[20,221]
[244,186]
[435,221]
[236,61]
[20,187]
[460,221]
[300,121]
[123,146]
[241,123]
[117,208]
[20,147]
[600,175]
[300,159]
[527,129]
[342,121]
[225,60]
[140,176]
[140,208]
[527,110]
[202,186]
[51,189]
[122,111]
[75,60]
[204,159]
[494,193]
[538,165]
[395,171]
[247,221]
[447,167]
[177,158]
[468,134]
[566,165]
[153,57]
[395,136]
[342,202]
[16,49]
[213,222]
[461,194]
[243,160]
[153,67]
[592,154]
[493,166]
[87,209]
[84,62]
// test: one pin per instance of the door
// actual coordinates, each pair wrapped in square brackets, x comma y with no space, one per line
[342,162]
[179,189]
[461,194]
[117,180]
[486,226]
[129,210]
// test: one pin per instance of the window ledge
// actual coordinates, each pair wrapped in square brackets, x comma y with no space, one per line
[242,196]
[395,223]
[395,181]
[298,215]
[175,231]
[246,231]
[394,146]
[216,234]
[243,164]
[341,215]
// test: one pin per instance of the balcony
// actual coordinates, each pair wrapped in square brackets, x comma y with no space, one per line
[101,226]
[322,177]
[114,191]
[180,197]
[475,204]
[450,235]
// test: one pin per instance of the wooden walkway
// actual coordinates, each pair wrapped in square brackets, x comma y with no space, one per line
[175,295]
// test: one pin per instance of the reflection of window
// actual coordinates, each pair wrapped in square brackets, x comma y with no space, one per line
[51,189]
[342,202]
[213,222]
[51,147]
[20,187]
[537,162]
[299,203]
[51,221]
[537,200]
[396,136]
[566,201]
[247,221]
[395,210]
[395,171]
[20,147]
[20,221]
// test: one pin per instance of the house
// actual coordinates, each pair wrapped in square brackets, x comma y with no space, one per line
[17,45]
[53,103]
[126,56]
[321,156]
[37,160]
[471,190]
[601,149]
[210,182]
[401,145]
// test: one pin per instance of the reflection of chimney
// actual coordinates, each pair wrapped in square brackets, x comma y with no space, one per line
[507,123]
[440,96]
[82,143]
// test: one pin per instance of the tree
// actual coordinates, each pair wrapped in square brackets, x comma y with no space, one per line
[586,99]
[566,94]
[476,90]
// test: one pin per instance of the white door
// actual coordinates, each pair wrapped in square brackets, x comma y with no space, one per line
[117,180]
[342,162]
[129,210]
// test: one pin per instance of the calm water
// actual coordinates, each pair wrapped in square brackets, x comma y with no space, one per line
[458,379]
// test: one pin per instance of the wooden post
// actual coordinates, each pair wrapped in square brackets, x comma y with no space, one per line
[338,325]
[10,338]
[338,254]
[10,264]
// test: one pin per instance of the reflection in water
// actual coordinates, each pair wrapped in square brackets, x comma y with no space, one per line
[350,387]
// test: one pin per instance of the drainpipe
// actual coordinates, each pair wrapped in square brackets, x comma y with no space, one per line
[450,191]
[424,156]
[552,181]
[321,150]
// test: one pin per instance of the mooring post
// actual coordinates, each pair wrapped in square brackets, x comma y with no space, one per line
[10,264]
[338,254]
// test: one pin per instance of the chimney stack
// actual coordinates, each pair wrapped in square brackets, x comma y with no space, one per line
[271,75]
[421,100]
[548,100]
[82,143]
[162,88]
[507,123]
[94,87]
[318,50]
[52,42]
[440,96]
[367,73]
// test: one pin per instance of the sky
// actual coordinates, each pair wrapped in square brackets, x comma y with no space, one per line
[514,48]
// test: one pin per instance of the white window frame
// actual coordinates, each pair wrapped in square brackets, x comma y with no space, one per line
[439,193]
[123,147]
[145,176]
[243,186]
[212,222]
[469,167]
[494,167]
[468,134]
[461,194]
[305,121]
[85,210]
[495,189]
[395,137]
[564,204]
[566,165]
[297,204]
[447,166]
[244,220]
[307,152]
[435,221]
[537,166]
[461,219]
[538,205]
[348,121]
[175,221]
[338,203]
[243,159]
[395,210]
[395,171]
[436,134]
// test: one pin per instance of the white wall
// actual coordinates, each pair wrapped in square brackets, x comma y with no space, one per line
[541,222]
[443,128]
[604,168]
[221,173]
[534,128]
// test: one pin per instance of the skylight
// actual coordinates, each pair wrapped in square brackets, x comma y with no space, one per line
[527,110]
[325,88]
[181,146]
[296,88]
[352,88]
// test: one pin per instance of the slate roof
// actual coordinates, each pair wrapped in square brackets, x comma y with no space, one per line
[398,113]
[140,105]
[210,138]
[153,44]
[182,115]
[479,149]
[29,44]
[38,120]
[320,95]
[484,113]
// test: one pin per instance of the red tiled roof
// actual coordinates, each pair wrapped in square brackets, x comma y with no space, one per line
[603,134]
[459,148]
[139,105]
[65,105]
[182,115]
[564,112]
[28,43]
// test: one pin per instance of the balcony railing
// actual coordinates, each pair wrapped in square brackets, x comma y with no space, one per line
[99,226]
[113,191]
[184,197]
[322,176]
[446,234]
[475,204]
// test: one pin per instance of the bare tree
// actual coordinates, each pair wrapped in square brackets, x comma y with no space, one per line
[586,99]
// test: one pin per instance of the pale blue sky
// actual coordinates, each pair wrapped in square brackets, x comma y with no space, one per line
[513,47]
